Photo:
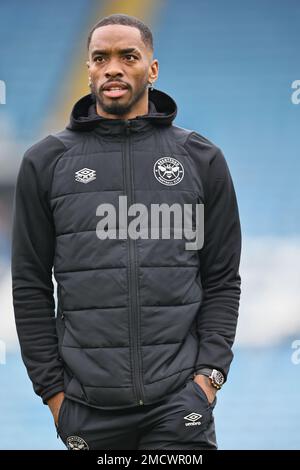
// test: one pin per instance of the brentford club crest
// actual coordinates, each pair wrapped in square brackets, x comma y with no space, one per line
[76,443]
[168,171]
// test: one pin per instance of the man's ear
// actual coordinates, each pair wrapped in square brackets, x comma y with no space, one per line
[154,70]
[88,64]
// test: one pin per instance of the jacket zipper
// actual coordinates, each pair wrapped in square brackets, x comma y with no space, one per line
[133,289]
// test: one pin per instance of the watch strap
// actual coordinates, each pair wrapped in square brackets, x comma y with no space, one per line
[204,371]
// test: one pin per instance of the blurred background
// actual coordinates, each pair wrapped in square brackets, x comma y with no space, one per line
[233,69]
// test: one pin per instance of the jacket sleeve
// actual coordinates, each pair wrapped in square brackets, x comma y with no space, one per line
[219,267]
[32,261]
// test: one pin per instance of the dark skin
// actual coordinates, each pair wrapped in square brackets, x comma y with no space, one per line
[117,54]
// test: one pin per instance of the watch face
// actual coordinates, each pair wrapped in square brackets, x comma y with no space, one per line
[218,377]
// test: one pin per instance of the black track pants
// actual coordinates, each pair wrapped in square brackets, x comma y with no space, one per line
[183,420]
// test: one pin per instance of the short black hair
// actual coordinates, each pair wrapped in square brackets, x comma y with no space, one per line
[126,20]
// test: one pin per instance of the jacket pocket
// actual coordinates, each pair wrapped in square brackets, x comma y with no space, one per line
[193,330]
[60,320]
[60,302]
[198,280]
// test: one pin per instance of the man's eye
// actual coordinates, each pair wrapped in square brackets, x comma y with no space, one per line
[130,57]
[99,59]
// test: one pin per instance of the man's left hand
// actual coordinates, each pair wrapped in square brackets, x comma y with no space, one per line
[209,390]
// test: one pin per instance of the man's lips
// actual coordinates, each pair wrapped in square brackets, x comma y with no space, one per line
[114,89]
[115,93]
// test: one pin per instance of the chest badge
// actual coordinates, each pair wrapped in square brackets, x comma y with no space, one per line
[168,171]
[86,175]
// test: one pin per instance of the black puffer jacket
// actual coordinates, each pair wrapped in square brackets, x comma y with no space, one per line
[135,317]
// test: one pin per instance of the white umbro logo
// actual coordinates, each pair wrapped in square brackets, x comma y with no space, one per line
[194,418]
[86,175]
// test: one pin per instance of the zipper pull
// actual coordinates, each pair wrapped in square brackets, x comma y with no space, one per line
[127,127]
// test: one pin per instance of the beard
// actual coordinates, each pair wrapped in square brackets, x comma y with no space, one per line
[115,107]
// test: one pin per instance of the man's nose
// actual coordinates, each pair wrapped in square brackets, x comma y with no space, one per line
[113,68]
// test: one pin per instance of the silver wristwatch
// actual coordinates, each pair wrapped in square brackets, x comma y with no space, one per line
[216,377]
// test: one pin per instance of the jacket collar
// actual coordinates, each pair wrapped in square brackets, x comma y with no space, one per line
[161,112]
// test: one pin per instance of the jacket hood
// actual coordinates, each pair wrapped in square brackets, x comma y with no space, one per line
[162,111]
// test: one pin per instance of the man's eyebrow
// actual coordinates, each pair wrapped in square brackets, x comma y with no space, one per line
[128,50]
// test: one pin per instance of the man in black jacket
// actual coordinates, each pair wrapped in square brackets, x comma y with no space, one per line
[142,336]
